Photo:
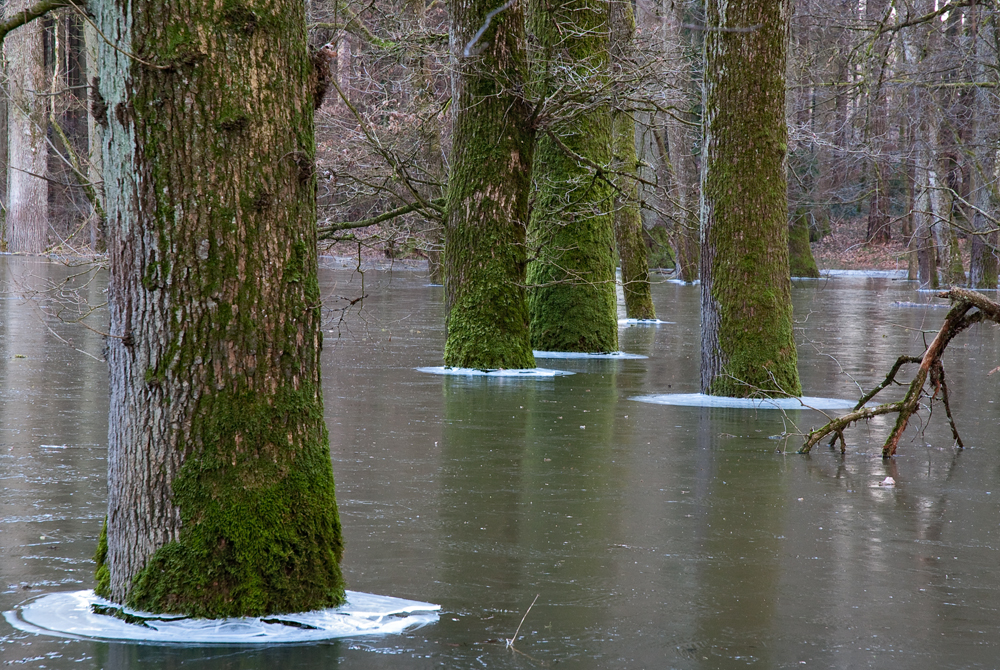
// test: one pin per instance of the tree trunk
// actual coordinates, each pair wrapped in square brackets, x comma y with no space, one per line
[28,154]
[927,206]
[747,343]
[877,129]
[983,263]
[571,281]
[801,262]
[628,219]
[681,144]
[488,193]
[220,486]
[95,136]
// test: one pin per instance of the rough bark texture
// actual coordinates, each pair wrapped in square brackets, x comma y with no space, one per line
[628,219]
[571,282]
[221,499]
[747,343]
[95,136]
[485,254]
[983,264]
[27,122]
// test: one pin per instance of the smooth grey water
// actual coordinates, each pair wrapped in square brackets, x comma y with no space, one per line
[653,536]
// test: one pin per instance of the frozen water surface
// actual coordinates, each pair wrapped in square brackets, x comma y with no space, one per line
[657,537]
[702,400]
[642,322]
[473,372]
[583,355]
[71,615]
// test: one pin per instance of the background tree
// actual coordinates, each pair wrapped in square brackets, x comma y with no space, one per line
[628,216]
[488,191]
[27,217]
[986,138]
[221,499]
[747,343]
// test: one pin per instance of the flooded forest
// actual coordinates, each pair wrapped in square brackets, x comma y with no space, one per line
[305,306]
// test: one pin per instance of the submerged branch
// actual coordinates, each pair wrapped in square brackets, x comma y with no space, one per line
[968,308]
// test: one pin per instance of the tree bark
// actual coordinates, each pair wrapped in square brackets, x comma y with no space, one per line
[983,265]
[95,139]
[220,486]
[27,123]
[877,129]
[747,343]
[681,144]
[571,281]
[485,255]
[628,219]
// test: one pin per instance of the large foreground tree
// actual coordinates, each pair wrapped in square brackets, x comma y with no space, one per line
[221,498]
[485,254]
[747,343]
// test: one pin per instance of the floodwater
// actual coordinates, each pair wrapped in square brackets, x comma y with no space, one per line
[652,536]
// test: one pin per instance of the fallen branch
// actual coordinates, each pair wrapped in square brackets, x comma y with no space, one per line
[968,308]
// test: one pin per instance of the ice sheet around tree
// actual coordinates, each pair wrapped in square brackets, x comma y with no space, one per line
[642,322]
[702,400]
[578,354]
[69,614]
[473,372]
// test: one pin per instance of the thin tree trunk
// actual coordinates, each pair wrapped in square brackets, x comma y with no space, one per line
[983,266]
[220,486]
[95,139]
[488,189]
[628,220]
[571,282]
[877,129]
[27,190]
[681,144]
[747,343]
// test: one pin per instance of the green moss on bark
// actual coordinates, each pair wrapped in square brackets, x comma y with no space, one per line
[800,257]
[102,576]
[571,280]
[260,529]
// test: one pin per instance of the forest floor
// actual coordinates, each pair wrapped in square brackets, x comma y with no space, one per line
[845,249]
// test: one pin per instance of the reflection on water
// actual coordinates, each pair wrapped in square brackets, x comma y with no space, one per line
[653,536]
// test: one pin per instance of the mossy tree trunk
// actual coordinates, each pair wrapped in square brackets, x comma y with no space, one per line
[485,254]
[27,200]
[747,343]
[628,218]
[571,279]
[801,262]
[220,485]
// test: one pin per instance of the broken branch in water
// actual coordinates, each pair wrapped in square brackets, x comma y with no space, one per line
[968,308]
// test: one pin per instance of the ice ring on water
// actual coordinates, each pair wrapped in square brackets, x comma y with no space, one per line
[473,372]
[702,400]
[642,322]
[70,615]
[581,354]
